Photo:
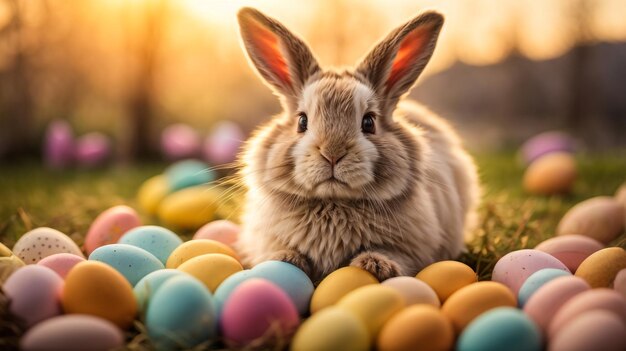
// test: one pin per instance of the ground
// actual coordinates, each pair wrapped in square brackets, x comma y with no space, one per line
[31,197]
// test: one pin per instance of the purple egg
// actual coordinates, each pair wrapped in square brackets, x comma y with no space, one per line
[58,147]
[93,149]
[179,141]
[545,143]
[222,145]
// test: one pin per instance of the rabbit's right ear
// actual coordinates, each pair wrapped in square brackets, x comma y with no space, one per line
[281,58]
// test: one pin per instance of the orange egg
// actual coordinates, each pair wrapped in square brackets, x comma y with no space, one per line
[446,277]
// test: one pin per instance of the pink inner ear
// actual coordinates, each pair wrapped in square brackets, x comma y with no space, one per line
[268,49]
[410,49]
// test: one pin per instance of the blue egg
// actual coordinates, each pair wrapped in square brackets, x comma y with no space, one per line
[156,240]
[503,328]
[536,281]
[184,174]
[181,314]
[134,263]
[149,284]
[289,278]
[228,286]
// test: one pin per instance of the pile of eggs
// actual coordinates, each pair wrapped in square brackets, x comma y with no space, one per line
[568,293]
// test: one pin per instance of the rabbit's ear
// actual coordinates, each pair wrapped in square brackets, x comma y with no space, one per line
[281,58]
[394,64]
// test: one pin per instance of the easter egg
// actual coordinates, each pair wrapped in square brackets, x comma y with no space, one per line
[546,301]
[43,242]
[620,195]
[515,267]
[109,226]
[148,285]
[290,278]
[222,145]
[374,305]
[594,299]
[181,314]
[187,173]
[619,284]
[570,249]
[469,302]
[228,285]
[61,263]
[93,149]
[600,218]
[502,328]
[331,329]
[73,332]
[222,230]
[446,277]
[594,330]
[414,291]
[601,267]
[33,292]
[9,263]
[546,143]
[180,141]
[156,240]
[193,248]
[417,328]
[337,284]
[190,208]
[151,192]
[58,147]
[97,289]
[134,263]
[211,269]
[536,281]
[553,173]
[256,310]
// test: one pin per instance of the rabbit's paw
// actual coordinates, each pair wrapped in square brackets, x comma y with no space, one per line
[293,258]
[378,264]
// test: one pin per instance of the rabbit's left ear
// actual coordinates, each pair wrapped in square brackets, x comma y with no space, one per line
[393,65]
[281,58]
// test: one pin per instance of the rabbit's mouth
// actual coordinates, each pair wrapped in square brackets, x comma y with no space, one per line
[331,187]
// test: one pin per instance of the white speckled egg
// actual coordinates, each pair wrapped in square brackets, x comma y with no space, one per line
[43,242]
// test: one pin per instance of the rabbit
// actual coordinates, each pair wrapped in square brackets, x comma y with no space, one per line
[348,174]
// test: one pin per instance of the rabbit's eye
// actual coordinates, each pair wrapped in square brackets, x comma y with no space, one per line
[302,122]
[368,125]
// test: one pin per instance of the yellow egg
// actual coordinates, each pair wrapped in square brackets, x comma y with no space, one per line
[211,269]
[446,277]
[337,284]
[9,263]
[97,289]
[333,328]
[197,247]
[373,305]
[151,192]
[473,300]
[417,328]
[190,208]
[554,173]
[601,267]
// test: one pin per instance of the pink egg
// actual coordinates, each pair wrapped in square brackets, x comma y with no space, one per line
[514,268]
[73,332]
[258,309]
[93,149]
[179,141]
[594,330]
[545,143]
[595,299]
[545,302]
[222,145]
[33,292]
[58,148]
[570,249]
[61,263]
[109,226]
[619,284]
[223,231]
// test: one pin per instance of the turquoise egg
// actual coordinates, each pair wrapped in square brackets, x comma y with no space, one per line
[290,278]
[228,286]
[536,281]
[503,328]
[134,263]
[184,174]
[156,240]
[181,314]
[148,285]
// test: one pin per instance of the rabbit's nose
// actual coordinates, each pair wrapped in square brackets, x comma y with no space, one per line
[333,158]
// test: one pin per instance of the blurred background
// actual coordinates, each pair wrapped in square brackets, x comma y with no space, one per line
[502,71]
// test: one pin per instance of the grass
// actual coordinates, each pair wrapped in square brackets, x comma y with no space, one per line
[31,196]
